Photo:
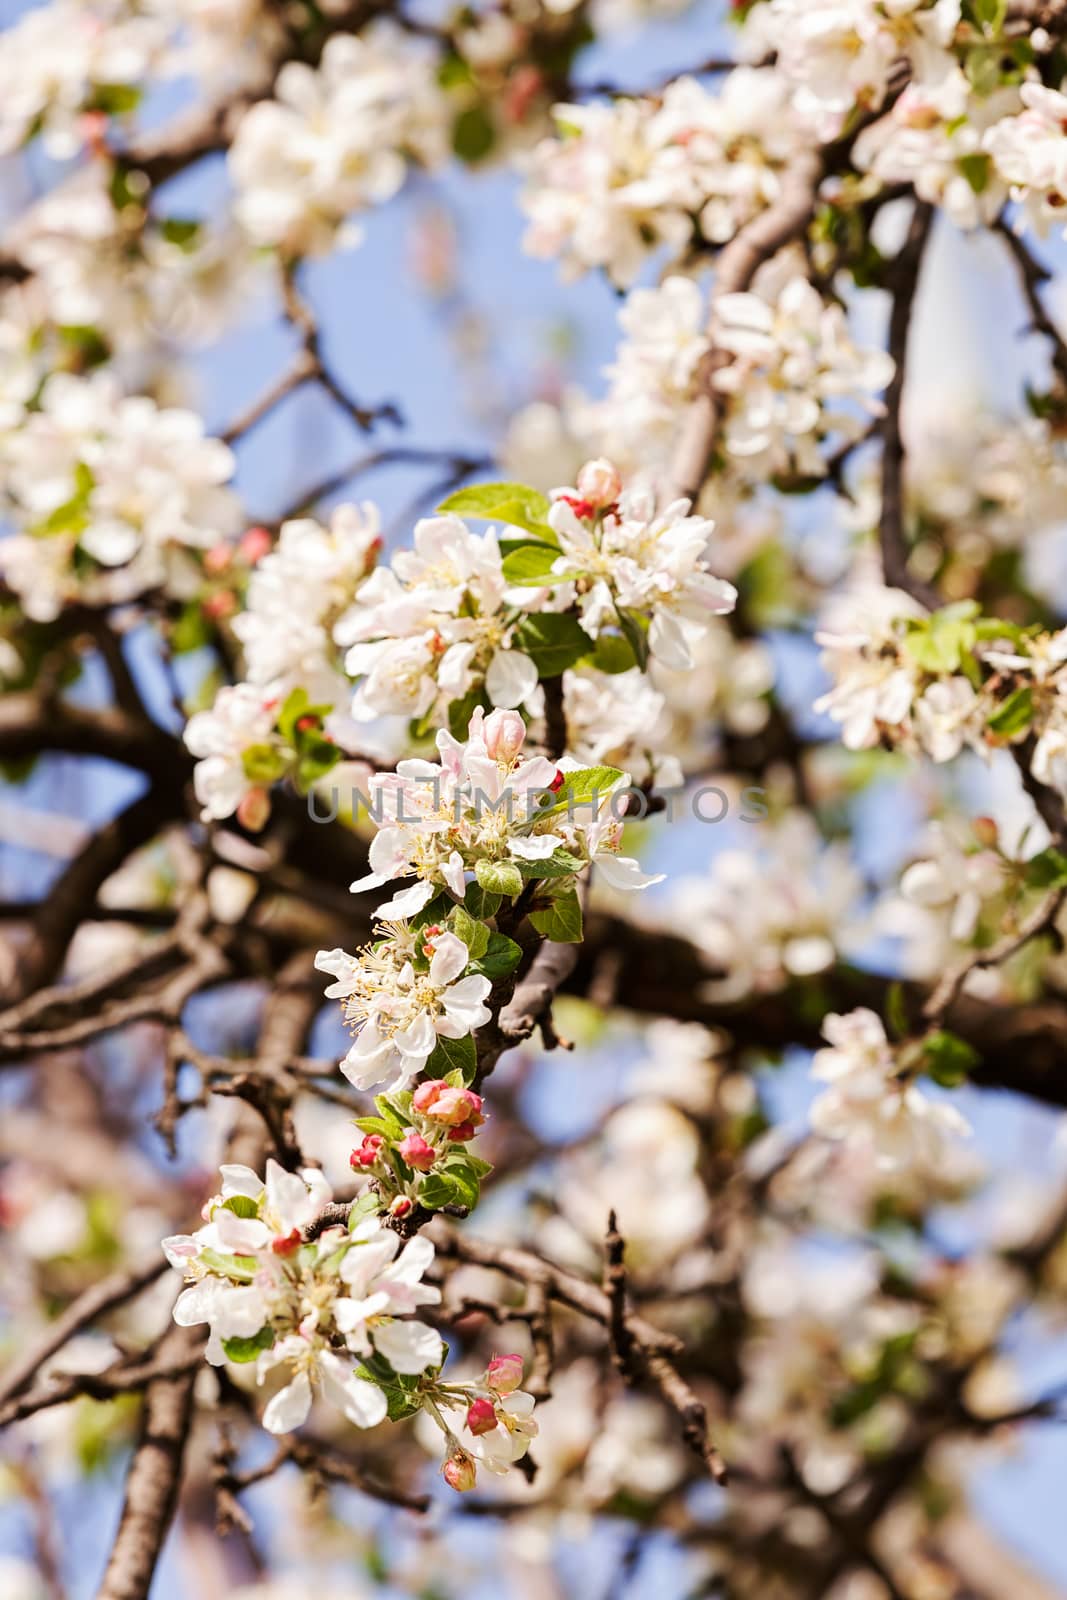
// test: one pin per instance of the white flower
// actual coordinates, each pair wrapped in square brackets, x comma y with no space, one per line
[1030,153]
[242,716]
[334,140]
[868,1104]
[113,479]
[956,878]
[796,377]
[399,1012]
[432,626]
[641,559]
[296,592]
[384,1285]
[310,1363]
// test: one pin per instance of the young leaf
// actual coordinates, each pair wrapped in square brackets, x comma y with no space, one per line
[553,640]
[238,1349]
[515,504]
[453,1055]
[531,565]
[561,919]
[586,789]
[499,877]
[475,934]
[500,958]
[948,1059]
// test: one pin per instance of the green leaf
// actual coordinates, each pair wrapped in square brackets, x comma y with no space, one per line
[453,1055]
[948,1059]
[531,565]
[1045,870]
[561,919]
[614,653]
[475,934]
[461,711]
[500,958]
[473,134]
[515,504]
[403,1396]
[396,1120]
[560,864]
[553,640]
[73,515]
[976,168]
[1015,714]
[938,644]
[634,632]
[241,1268]
[368,1205]
[248,1349]
[481,903]
[499,877]
[262,763]
[182,231]
[191,629]
[454,1184]
[318,757]
[587,788]
[114,99]
[896,1012]
[242,1205]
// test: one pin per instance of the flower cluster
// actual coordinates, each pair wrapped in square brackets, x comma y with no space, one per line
[103,490]
[796,377]
[436,623]
[70,66]
[871,1099]
[333,141]
[249,739]
[840,53]
[296,593]
[1029,151]
[329,1311]
[630,562]
[783,909]
[401,995]
[497,1426]
[622,180]
[946,681]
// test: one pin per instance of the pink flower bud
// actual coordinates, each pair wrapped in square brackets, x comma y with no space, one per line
[443,1103]
[505,735]
[254,810]
[460,1472]
[481,1417]
[255,543]
[401,1206]
[504,1374]
[416,1152]
[218,558]
[218,606]
[461,1133]
[599,483]
[367,1154]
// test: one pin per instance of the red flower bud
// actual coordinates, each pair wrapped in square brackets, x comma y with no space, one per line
[283,1244]
[416,1152]
[481,1416]
[401,1206]
[367,1154]
[461,1133]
